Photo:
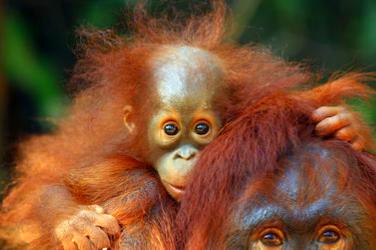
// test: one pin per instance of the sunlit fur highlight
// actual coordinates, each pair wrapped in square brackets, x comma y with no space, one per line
[92,153]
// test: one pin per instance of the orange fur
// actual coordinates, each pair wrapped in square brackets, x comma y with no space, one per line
[93,156]
[245,155]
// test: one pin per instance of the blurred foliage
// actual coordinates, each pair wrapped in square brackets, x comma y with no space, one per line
[31,72]
[38,38]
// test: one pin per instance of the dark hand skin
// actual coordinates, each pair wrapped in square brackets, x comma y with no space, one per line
[309,207]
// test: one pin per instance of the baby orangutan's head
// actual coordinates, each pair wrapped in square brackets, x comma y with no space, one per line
[186,83]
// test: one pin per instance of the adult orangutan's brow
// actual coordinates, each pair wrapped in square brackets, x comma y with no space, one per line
[292,217]
[260,215]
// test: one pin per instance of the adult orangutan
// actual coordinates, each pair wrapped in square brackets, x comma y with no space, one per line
[267,183]
[151,103]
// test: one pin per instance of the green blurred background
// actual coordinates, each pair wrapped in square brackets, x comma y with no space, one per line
[37,40]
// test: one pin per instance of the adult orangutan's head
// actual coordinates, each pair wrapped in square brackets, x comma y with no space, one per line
[316,202]
[267,183]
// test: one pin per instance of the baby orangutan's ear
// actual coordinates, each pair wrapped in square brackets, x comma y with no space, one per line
[127,112]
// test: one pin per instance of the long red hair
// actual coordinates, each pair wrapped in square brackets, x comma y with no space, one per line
[248,149]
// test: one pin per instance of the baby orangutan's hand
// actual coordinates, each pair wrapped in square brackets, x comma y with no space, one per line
[89,228]
[341,123]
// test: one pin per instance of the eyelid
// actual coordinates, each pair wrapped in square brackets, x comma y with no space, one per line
[331,223]
[275,230]
[167,115]
[175,127]
[206,115]
[276,243]
[204,138]
[168,119]
[330,227]
[167,136]
[163,124]
[202,121]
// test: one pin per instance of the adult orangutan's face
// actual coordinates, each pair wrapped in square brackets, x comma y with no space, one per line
[310,207]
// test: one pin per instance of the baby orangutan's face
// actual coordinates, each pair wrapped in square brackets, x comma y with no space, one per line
[187,81]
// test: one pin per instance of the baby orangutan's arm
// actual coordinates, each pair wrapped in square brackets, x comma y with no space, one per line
[122,188]
[343,125]
[76,226]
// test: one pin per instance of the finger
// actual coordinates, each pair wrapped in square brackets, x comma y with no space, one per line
[326,111]
[346,134]
[358,144]
[97,209]
[98,238]
[331,124]
[82,242]
[68,245]
[109,224]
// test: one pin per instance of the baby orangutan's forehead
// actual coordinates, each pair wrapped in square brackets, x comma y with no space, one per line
[186,76]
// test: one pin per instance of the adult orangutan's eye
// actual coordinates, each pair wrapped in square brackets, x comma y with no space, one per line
[272,237]
[202,128]
[329,235]
[171,128]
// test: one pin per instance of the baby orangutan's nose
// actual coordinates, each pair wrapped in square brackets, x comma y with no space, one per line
[187,152]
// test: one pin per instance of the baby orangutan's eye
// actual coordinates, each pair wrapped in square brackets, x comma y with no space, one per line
[171,128]
[329,235]
[202,128]
[272,237]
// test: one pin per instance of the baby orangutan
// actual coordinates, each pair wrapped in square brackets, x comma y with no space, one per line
[136,133]
[185,83]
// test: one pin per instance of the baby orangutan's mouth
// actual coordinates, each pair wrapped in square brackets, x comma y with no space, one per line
[176,191]
[176,187]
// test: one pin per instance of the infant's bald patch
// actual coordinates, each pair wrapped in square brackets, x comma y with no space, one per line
[183,71]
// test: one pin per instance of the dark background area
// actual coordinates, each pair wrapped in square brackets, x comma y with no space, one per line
[37,40]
